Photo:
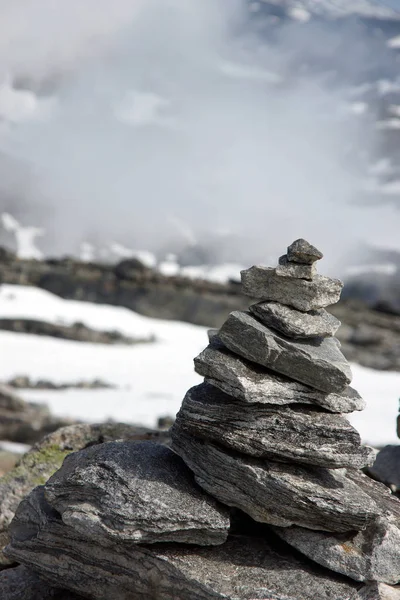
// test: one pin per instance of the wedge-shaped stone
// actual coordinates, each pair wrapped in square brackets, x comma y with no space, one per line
[291,269]
[301,251]
[243,568]
[277,493]
[265,284]
[295,323]
[252,383]
[290,433]
[386,467]
[318,363]
[137,493]
[369,555]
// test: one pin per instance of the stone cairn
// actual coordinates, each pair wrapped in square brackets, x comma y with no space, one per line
[262,495]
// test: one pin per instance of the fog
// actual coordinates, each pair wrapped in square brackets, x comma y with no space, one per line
[159,123]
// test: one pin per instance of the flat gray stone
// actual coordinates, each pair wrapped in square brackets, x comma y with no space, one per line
[265,284]
[295,323]
[318,363]
[142,493]
[379,591]
[45,458]
[372,554]
[252,383]
[301,251]
[287,433]
[277,493]
[243,568]
[296,270]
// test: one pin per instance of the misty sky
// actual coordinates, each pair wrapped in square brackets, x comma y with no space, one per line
[147,121]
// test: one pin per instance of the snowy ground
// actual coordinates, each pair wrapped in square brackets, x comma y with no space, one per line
[152,378]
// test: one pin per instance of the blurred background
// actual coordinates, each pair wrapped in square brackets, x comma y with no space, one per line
[149,150]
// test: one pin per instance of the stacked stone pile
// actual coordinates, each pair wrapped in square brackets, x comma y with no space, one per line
[267,431]
[263,461]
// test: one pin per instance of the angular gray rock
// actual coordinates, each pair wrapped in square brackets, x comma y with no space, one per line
[291,269]
[140,493]
[379,591]
[36,466]
[386,467]
[295,323]
[265,284]
[277,493]
[20,583]
[317,363]
[241,569]
[252,383]
[290,433]
[301,251]
[369,555]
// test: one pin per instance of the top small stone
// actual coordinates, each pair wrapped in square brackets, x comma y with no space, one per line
[302,252]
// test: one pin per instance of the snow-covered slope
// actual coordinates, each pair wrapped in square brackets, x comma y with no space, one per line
[151,378]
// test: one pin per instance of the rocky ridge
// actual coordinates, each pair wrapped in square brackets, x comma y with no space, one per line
[261,495]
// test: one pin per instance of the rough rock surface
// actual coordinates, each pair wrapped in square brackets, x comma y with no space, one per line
[290,433]
[295,323]
[22,584]
[291,269]
[318,363]
[37,465]
[252,383]
[43,542]
[372,554]
[301,251]
[379,591]
[277,493]
[265,284]
[142,493]
[386,467]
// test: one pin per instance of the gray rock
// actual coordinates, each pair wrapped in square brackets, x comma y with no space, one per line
[265,284]
[252,383]
[301,251]
[142,493]
[22,584]
[243,568]
[291,269]
[46,457]
[277,493]
[386,467]
[295,323]
[290,433]
[317,363]
[372,554]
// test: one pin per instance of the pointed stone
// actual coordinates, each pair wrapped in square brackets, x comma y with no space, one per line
[138,493]
[317,363]
[243,568]
[290,433]
[295,323]
[265,284]
[252,383]
[372,554]
[290,269]
[277,493]
[303,252]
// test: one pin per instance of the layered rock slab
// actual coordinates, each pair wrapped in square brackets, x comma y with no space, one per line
[264,283]
[22,584]
[277,493]
[43,459]
[294,323]
[289,433]
[141,493]
[291,269]
[317,363]
[243,568]
[252,383]
[369,555]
